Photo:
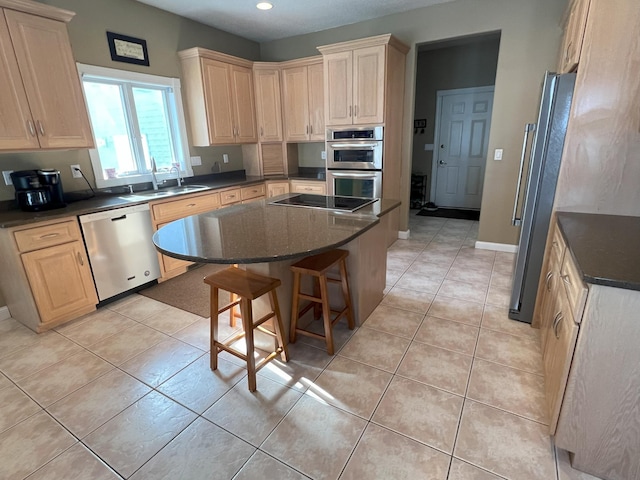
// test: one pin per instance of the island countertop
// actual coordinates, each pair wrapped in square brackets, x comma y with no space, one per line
[260,232]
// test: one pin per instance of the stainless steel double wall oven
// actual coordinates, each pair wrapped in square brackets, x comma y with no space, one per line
[354,161]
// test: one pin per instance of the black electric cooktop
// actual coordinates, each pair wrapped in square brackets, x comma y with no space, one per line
[345,204]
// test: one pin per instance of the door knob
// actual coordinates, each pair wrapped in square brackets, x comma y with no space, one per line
[442,162]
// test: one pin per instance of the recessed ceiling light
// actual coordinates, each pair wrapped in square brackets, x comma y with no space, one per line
[264,6]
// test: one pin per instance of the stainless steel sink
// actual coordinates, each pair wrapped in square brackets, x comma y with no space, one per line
[164,192]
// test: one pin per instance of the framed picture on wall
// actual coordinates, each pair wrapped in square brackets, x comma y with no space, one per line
[128,49]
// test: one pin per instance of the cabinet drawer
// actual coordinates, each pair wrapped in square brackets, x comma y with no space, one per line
[317,188]
[255,191]
[47,235]
[174,209]
[230,196]
[573,285]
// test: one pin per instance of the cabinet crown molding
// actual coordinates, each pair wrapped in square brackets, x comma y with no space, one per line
[296,62]
[35,8]
[199,52]
[386,39]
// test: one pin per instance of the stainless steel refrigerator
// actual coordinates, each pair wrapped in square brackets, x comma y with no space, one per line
[542,147]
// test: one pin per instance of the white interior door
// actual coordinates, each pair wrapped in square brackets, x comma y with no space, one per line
[464,121]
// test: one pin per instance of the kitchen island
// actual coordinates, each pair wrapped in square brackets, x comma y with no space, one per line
[267,239]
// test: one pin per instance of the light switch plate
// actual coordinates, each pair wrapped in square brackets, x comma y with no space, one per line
[196,161]
[428,147]
[497,155]
[6,174]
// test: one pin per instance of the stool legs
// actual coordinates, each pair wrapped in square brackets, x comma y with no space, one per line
[247,324]
[326,314]
[346,292]
[278,326]
[294,307]
[214,328]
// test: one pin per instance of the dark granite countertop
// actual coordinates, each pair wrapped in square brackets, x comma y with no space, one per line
[259,232]
[605,248]
[11,216]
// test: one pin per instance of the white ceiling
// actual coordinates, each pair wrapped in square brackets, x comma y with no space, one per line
[287,17]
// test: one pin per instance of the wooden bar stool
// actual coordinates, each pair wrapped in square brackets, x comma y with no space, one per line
[317,266]
[244,287]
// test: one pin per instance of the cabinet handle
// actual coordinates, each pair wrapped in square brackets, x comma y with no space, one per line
[40,127]
[565,279]
[307,130]
[191,205]
[311,129]
[49,235]
[548,280]
[32,130]
[355,111]
[349,110]
[261,132]
[556,323]
[80,260]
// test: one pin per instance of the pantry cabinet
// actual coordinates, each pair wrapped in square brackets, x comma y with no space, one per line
[46,275]
[303,98]
[220,97]
[576,22]
[40,93]
[268,103]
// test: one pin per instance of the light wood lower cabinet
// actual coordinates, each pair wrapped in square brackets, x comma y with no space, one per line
[591,365]
[46,278]
[277,188]
[308,186]
[163,212]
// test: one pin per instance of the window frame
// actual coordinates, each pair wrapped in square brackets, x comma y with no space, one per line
[176,122]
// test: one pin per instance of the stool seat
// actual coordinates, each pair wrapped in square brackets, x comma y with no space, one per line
[244,287]
[318,267]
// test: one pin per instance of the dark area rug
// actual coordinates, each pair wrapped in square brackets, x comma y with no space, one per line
[451,213]
[187,291]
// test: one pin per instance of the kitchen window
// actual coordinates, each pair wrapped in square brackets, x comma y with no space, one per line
[137,121]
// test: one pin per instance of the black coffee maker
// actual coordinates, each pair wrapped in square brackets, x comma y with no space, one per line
[38,189]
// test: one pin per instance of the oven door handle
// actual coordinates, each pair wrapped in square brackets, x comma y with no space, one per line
[357,146]
[353,175]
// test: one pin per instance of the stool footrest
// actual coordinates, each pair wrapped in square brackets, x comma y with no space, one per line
[228,306]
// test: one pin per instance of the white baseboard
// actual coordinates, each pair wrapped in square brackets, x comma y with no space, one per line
[404,234]
[497,247]
[4,313]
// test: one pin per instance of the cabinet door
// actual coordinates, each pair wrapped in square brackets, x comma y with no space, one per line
[548,304]
[50,80]
[17,130]
[275,189]
[296,103]
[244,104]
[218,94]
[573,36]
[315,77]
[60,279]
[560,344]
[268,105]
[368,85]
[338,81]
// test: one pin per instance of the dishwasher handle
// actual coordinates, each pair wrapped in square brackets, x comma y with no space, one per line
[121,217]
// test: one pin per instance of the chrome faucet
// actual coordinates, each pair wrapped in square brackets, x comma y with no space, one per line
[154,180]
[177,170]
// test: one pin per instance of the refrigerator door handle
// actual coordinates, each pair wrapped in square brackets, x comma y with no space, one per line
[515,220]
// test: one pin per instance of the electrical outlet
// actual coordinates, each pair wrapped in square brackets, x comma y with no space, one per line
[497,155]
[323,155]
[75,173]
[225,158]
[6,174]
[196,161]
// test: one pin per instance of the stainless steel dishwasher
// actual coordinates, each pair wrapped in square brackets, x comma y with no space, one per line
[121,253]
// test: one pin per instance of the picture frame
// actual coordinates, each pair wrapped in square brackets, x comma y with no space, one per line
[124,48]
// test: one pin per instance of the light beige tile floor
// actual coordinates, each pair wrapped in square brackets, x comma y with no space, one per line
[437,384]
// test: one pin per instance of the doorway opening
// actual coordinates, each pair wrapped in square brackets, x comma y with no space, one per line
[455,79]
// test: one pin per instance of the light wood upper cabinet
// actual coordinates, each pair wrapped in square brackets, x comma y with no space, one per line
[220,97]
[576,21]
[354,86]
[268,104]
[40,92]
[303,97]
